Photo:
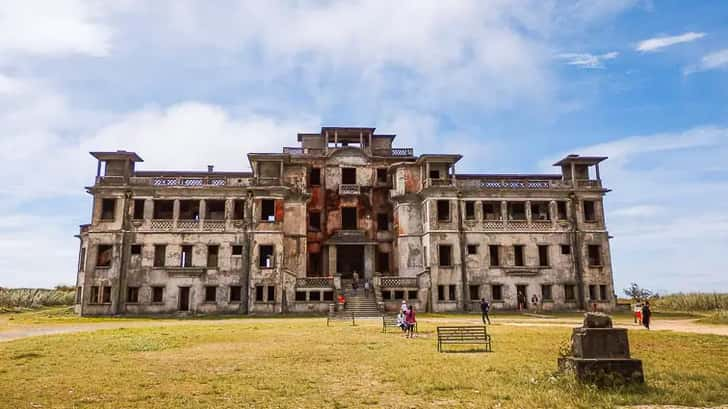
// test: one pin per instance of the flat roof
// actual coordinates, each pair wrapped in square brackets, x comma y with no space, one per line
[583,160]
[500,176]
[117,155]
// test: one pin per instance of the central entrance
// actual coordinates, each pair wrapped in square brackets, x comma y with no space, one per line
[350,259]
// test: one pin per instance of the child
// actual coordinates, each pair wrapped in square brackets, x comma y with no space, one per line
[411,321]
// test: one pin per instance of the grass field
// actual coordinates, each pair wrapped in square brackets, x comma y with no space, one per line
[299,362]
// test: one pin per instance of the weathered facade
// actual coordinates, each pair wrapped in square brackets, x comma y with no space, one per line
[288,236]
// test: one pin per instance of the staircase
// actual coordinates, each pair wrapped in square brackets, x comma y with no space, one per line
[358,304]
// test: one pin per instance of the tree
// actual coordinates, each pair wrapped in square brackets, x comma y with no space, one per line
[637,293]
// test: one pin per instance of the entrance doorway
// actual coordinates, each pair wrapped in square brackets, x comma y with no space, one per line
[522,297]
[350,259]
[184,298]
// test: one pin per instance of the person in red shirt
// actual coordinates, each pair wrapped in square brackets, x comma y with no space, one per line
[342,301]
[411,320]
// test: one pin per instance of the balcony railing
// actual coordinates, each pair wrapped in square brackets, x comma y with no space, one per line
[213,225]
[429,182]
[399,152]
[398,282]
[294,150]
[349,189]
[315,282]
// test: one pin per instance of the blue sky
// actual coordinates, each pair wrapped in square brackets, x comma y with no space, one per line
[512,85]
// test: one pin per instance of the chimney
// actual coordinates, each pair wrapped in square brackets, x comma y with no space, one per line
[210,168]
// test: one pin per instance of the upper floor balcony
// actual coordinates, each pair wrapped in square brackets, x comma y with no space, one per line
[349,189]
[389,152]
[524,182]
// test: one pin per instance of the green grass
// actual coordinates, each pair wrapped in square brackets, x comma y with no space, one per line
[299,362]
[694,302]
[717,318]
[22,299]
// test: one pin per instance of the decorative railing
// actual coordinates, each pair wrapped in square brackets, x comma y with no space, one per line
[213,225]
[398,282]
[349,189]
[315,282]
[188,224]
[110,180]
[295,150]
[162,224]
[438,182]
[515,184]
[399,152]
[180,181]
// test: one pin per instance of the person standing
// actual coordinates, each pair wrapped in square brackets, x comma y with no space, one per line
[521,301]
[534,302]
[366,288]
[403,308]
[411,321]
[646,314]
[484,309]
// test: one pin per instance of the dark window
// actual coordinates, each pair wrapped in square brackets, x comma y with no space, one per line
[160,255]
[561,210]
[443,210]
[382,222]
[497,292]
[157,294]
[470,210]
[472,249]
[603,292]
[412,294]
[589,214]
[595,255]
[138,209]
[315,177]
[516,211]
[314,221]
[518,255]
[491,211]
[382,262]
[445,255]
[185,257]
[313,296]
[540,211]
[163,209]
[387,295]
[237,250]
[268,210]
[592,292]
[108,207]
[132,294]
[82,259]
[328,295]
[300,295]
[189,210]
[398,294]
[441,293]
[94,296]
[494,255]
[348,176]
[259,291]
[106,295]
[314,264]
[136,249]
[235,293]
[271,293]
[238,209]
[565,249]
[382,175]
[265,256]
[543,256]
[546,292]
[570,292]
[212,258]
[348,218]
[474,292]
[103,255]
[451,292]
[215,209]
[434,174]
[210,293]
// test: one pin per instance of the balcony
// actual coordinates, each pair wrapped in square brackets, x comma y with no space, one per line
[397,152]
[315,282]
[397,282]
[429,182]
[349,189]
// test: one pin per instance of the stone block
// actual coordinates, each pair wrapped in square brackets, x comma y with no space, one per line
[597,320]
[604,371]
[600,343]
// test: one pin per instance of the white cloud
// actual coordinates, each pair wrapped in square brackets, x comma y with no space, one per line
[588,61]
[712,61]
[51,28]
[665,209]
[658,43]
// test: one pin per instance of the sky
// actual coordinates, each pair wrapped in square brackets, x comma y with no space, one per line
[511,85]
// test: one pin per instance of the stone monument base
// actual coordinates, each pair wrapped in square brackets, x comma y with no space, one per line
[604,370]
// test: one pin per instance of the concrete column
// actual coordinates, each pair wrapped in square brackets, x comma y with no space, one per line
[203,209]
[148,209]
[175,212]
[332,260]
[369,255]
[504,212]
[553,212]
[528,211]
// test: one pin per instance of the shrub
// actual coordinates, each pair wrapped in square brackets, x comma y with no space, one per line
[35,297]
[692,302]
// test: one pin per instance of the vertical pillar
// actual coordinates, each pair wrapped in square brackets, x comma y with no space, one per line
[332,261]
[529,216]
[369,255]
[553,212]
[597,169]
[504,212]
[175,212]
[203,210]
[426,177]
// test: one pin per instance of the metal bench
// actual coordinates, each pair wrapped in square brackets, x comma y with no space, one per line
[391,321]
[463,335]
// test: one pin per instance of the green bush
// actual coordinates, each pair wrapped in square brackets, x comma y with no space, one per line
[691,302]
[12,298]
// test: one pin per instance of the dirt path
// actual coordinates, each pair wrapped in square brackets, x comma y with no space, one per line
[23,331]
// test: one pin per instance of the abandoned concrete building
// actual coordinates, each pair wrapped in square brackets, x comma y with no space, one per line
[292,234]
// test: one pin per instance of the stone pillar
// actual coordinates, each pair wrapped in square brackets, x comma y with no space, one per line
[332,261]
[175,212]
[369,255]
[504,212]
[203,210]
[527,207]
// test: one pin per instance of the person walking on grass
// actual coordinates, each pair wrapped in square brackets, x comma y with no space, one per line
[646,314]
[411,321]
[484,309]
